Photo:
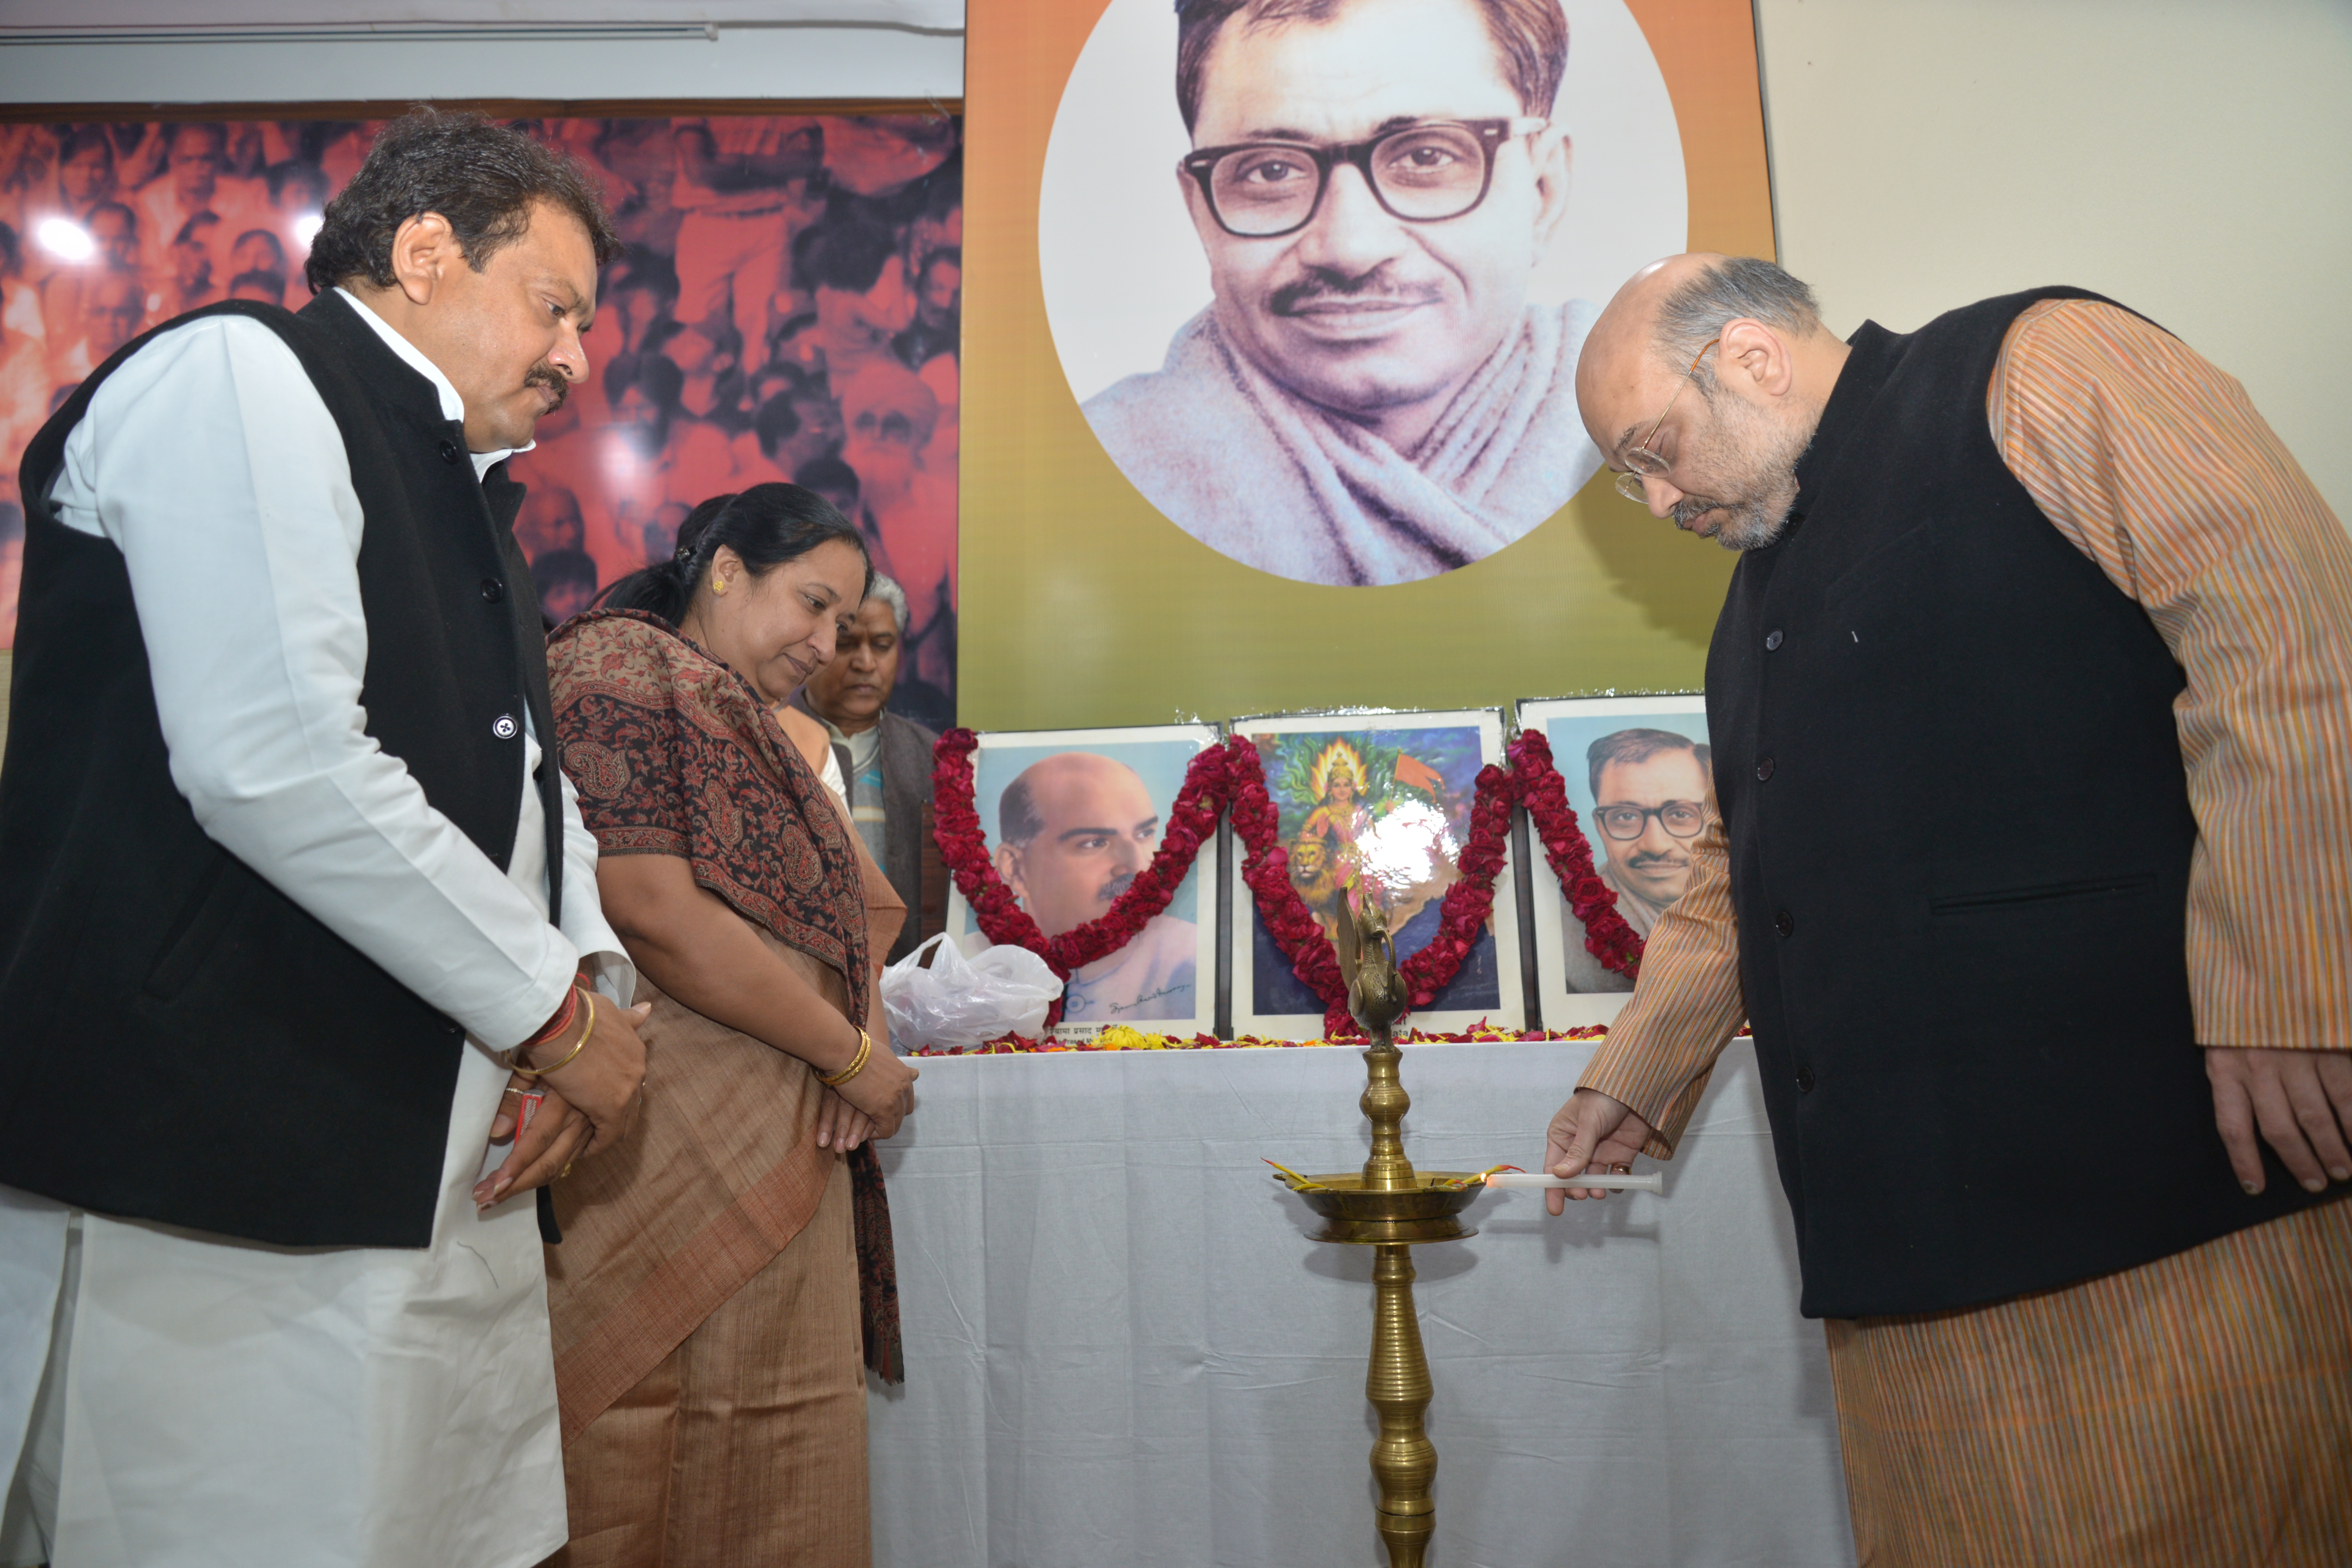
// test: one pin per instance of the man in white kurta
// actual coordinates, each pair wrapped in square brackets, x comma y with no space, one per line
[184,1398]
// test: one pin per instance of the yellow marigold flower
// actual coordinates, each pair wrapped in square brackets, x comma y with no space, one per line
[1126,1037]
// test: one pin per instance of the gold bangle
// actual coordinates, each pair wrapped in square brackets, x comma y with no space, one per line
[589,997]
[856,1063]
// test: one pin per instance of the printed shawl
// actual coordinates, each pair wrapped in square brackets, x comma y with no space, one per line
[674,754]
[1261,475]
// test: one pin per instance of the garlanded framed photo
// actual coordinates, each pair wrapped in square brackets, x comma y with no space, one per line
[1639,777]
[1384,799]
[1070,818]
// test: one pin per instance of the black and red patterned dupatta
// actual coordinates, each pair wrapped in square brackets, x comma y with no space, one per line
[674,754]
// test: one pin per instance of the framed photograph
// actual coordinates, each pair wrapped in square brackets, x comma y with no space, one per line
[1639,773]
[1070,816]
[1387,795]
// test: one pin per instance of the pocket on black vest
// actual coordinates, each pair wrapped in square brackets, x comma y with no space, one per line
[2043,893]
[1905,553]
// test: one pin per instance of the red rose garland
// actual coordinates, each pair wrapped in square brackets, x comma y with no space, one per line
[1469,901]
[964,849]
[1232,776]
[1606,935]
[1265,871]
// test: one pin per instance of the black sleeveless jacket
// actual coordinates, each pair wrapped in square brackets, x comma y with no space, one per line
[1960,838]
[180,1041]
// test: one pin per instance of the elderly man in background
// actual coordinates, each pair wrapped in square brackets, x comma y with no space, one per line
[2033,603]
[884,758]
[1072,832]
[1370,398]
[294,914]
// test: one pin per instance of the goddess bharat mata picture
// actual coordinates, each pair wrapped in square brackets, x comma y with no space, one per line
[1384,813]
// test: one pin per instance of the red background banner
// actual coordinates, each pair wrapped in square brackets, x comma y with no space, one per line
[789,308]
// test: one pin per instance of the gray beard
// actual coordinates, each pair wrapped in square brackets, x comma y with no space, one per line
[1760,520]
[1768,475]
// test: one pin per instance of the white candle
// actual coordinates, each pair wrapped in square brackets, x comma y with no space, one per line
[1589,1179]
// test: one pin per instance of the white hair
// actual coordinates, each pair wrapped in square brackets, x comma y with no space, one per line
[890,594]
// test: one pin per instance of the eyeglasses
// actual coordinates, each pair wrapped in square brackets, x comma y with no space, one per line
[1680,819]
[1644,463]
[1425,172]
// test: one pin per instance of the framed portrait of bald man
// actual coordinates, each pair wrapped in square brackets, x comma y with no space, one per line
[1338,340]
[1641,779]
[1382,802]
[1070,816]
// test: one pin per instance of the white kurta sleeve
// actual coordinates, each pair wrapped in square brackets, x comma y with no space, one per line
[584,915]
[211,462]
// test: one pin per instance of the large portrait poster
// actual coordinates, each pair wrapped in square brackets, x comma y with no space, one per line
[1279,309]
[788,309]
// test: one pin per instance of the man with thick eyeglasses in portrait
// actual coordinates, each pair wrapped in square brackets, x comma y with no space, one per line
[1649,793]
[1370,397]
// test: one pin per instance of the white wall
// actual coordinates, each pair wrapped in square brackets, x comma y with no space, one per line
[2189,158]
[2193,159]
[776,60]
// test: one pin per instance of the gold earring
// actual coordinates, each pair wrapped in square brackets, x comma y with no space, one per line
[718,583]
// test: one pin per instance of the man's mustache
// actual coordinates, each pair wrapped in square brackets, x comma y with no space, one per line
[1119,884]
[1652,860]
[548,376]
[1374,288]
[1690,508]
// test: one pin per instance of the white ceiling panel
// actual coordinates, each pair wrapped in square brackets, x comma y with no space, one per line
[92,19]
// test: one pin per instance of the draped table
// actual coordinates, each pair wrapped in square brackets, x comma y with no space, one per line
[1123,1350]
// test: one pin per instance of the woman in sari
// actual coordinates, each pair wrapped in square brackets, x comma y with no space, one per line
[722,1265]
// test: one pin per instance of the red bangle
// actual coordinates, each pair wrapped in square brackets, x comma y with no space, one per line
[556,1024]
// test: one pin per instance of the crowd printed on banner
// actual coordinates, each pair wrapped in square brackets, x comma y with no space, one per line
[788,307]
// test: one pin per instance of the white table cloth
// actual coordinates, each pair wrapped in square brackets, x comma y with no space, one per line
[1123,1350]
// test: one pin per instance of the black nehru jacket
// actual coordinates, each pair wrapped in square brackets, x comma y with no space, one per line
[183,1042]
[1960,841]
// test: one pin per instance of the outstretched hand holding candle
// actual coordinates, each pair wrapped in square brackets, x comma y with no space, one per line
[1591,1129]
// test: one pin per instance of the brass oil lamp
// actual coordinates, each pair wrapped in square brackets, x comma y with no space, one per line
[1390,1209]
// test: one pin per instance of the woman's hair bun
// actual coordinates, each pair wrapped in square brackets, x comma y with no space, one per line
[698,523]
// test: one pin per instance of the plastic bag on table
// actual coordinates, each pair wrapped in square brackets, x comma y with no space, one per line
[962,1002]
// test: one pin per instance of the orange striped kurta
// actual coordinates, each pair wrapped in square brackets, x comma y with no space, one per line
[2196,1409]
